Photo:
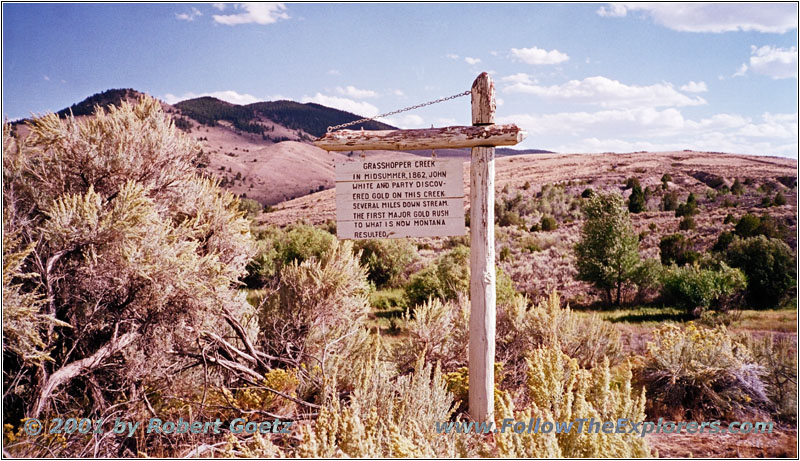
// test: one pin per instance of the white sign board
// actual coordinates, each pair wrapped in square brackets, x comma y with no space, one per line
[399,198]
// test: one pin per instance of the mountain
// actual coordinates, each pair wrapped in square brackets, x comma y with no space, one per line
[104,99]
[310,118]
[263,150]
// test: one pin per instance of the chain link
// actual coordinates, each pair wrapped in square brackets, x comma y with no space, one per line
[343,125]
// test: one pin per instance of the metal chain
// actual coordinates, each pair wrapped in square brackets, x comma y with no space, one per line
[336,127]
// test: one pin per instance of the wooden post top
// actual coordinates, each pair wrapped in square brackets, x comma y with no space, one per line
[483,102]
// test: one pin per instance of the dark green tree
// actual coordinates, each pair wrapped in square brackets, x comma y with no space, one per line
[770,267]
[608,251]
[636,203]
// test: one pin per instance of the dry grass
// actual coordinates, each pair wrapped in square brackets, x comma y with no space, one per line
[783,320]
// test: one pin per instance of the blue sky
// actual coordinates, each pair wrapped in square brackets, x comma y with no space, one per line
[579,77]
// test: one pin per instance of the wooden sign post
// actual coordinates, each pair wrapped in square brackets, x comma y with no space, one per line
[481,259]
[482,137]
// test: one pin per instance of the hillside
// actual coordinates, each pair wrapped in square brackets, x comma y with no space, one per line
[527,175]
[104,99]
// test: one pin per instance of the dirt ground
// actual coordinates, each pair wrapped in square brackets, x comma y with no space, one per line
[782,443]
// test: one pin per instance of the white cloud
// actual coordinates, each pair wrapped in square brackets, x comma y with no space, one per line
[46,78]
[407,121]
[451,56]
[577,123]
[354,92]
[219,6]
[472,61]
[774,62]
[695,87]
[613,10]
[537,56]
[254,13]
[519,78]
[228,95]
[741,72]
[499,102]
[605,92]
[773,126]
[333,72]
[363,109]
[653,130]
[398,93]
[713,17]
[444,121]
[190,16]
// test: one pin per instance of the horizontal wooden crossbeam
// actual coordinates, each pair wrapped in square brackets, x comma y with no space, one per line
[451,137]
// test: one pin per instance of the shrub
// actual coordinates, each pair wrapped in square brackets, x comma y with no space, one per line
[447,278]
[438,331]
[316,303]
[632,183]
[729,219]
[770,267]
[748,226]
[669,202]
[779,199]
[386,416]
[549,223]
[691,287]
[263,266]
[737,188]
[723,241]
[587,192]
[553,200]
[301,242]
[559,390]
[788,181]
[388,299]
[386,259]
[23,317]
[637,202]
[700,373]
[250,207]
[777,355]
[687,223]
[666,178]
[509,219]
[647,278]
[608,250]
[687,209]
[136,253]
[676,248]
[522,328]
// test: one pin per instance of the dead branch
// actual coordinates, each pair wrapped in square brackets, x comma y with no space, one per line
[68,372]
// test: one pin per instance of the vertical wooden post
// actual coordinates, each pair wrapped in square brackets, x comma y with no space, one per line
[481,259]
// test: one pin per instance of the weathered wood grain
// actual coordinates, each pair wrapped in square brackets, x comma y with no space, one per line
[482,270]
[451,137]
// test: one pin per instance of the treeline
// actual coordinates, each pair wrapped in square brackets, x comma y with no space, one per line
[210,111]
[311,118]
[104,99]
